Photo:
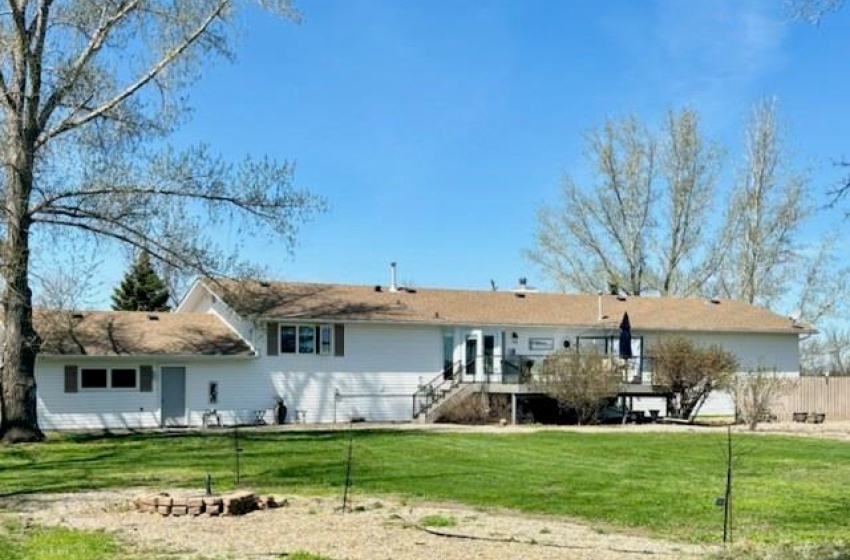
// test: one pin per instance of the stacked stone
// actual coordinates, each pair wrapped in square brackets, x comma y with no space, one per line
[238,503]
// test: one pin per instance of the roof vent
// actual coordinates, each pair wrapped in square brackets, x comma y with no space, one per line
[264,284]
[523,287]
[519,294]
[621,297]
[393,281]
[377,288]
[152,317]
[77,315]
[715,300]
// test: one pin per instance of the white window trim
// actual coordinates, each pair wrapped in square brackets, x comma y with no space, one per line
[109,386]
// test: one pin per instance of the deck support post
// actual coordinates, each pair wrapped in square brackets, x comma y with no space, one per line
[513,409]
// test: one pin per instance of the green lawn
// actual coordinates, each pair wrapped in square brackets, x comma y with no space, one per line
[38,543]
[786,489]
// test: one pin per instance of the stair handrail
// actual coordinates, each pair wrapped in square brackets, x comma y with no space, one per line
[427,394]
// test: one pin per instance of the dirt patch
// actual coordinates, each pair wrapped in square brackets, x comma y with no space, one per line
[375,529]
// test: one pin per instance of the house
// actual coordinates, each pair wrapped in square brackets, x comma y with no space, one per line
[336,353]
[108,369]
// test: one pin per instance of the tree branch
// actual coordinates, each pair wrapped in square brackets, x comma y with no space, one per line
[251,207]
[93,46]
[73,121]
[130,236]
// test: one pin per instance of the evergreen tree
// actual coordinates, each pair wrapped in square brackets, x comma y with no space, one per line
[141,289]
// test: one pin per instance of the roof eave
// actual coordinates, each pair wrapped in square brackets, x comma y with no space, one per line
[152,356]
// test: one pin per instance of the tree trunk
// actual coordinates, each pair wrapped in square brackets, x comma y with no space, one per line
[21,343]
[18,396]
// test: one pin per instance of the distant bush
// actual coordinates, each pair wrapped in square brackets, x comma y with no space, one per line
[480,408]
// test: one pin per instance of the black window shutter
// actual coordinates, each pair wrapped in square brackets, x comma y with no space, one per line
[146,379]
[71,385]
[339,340]
[272,339]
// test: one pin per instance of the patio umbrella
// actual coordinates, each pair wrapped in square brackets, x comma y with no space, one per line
[626,337]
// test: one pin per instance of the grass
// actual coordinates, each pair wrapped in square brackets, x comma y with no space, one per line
[301,555]
[438,521]
[785,488]
[39,543]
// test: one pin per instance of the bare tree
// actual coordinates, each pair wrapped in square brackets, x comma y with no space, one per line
[600,234]
[764,214]
[827,354]
[581,381]
[89,89]
[70,283]
[813,10]
[756,392]
[644,223]
[689,167]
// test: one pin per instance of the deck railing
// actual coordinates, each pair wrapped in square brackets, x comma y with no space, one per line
[520,369]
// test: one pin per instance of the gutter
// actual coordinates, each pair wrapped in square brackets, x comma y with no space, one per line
[160,357]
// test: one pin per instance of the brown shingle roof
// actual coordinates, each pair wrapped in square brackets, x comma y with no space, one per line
[113,333]
[334,302]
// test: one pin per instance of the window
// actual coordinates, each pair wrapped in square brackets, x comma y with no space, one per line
[91,378]
[213,392]
[325,340]
[306,339]
[123,378]
[287,339]
[106,378]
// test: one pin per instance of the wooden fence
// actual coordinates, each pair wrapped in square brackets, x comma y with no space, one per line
[829,395]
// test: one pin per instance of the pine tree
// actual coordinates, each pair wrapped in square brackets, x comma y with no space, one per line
[141,289]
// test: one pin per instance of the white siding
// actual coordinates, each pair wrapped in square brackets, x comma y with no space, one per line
[382,367]
[779,352]
[771,351]
[91,409]
[375,380]
[200,300]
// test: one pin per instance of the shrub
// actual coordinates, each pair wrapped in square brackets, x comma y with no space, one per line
[480,408]
[581,381]
[691,372]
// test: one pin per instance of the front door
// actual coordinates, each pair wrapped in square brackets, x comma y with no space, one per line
[173,396]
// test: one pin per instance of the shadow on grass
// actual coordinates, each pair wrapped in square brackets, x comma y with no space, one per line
[124,435]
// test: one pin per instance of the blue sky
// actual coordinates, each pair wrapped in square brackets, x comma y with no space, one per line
[436,129]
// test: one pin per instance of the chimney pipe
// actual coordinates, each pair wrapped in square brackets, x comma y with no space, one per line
[600,305]
[393,282]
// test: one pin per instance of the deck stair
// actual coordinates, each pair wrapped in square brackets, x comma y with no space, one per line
[442,392]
